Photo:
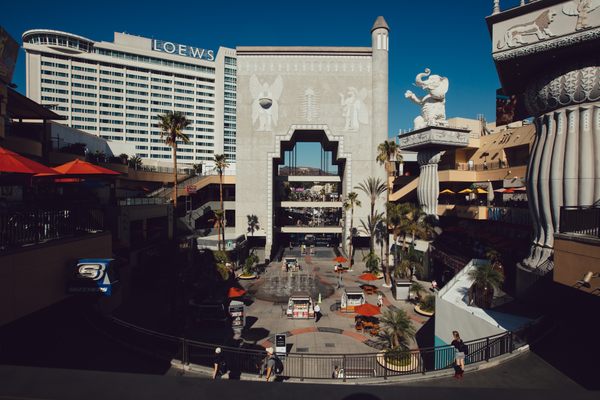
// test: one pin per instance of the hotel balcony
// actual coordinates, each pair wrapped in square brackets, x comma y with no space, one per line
[509,215]
[577,249]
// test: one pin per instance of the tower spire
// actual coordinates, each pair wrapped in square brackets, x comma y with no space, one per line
[380,23]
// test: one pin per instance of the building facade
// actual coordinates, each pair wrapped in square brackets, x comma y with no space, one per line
[335,96]
[115,90]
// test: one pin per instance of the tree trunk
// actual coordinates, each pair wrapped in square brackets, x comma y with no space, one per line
[351,236]
[222,210]
[175,176]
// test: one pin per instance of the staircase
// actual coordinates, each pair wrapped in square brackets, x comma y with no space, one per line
[198,181]
[190,218]
[406,187]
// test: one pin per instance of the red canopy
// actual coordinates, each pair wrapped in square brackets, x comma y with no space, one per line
[340,259]
[368,277]
[15,163]
[79,167]
[235,292]
[368,310]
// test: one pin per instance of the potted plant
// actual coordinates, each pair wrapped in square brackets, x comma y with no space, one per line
[403,274]
[426,306]
[249,265]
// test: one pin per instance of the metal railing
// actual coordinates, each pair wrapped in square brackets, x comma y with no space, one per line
[320,366]
[485,166]
[582,220]
[23,227]
[142,201]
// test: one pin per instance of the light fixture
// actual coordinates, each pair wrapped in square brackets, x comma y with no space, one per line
[585,281]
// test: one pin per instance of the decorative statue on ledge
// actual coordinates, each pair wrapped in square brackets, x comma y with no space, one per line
[433,104]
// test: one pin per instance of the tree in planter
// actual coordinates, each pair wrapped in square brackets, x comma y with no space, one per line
[397,329]
[220,165]
[417,288]
[494,257]
[351,202]
[171,125]
[373,188]
[252,224]
[249,264]
[221,261]
[372,263]
[409,262]
[486,280]
[197,168]
[124,158]
[369,228]
[427,304]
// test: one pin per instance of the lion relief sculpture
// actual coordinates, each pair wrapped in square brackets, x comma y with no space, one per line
[539,27]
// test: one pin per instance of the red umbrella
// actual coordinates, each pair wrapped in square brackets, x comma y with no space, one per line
[79,167]
[368,277]
[16,163]
[235,292]
[340,259]
[368,310]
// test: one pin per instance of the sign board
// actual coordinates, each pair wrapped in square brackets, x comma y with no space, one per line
[92,276]
[182,50]
[238,316]
[191,189]
[280,345]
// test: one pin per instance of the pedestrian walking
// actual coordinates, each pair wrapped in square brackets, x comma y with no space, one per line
[379,299]
[318,314]
[274,364]
[219,364]
[460,351]
[263,366]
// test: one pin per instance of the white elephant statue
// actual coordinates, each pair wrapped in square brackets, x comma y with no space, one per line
[433,104]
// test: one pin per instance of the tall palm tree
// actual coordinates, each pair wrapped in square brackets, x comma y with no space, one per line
[351,202]
[252,223]
[486,280]
[397,328]
[388,152]
[373,188]
[220,165]
[171,125]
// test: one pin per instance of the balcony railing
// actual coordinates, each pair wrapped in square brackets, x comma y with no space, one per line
[582,220]
[485,166]
[25,227]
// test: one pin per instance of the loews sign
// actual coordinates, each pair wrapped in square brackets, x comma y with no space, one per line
[182,50]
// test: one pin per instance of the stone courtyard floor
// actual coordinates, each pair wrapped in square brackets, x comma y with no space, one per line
[335,332]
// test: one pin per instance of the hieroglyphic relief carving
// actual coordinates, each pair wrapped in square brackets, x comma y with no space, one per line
[520,34]
[581,9]
[265,107]
[354,109]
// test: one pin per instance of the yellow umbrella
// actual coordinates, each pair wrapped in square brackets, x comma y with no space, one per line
[480,191]
[467,190]
[447,191]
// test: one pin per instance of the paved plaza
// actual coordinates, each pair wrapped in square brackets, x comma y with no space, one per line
[335,332]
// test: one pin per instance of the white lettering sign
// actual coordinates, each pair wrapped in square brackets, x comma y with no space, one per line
[183,50]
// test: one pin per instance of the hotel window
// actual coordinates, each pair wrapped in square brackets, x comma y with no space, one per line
[205,87]
[135,100]
[111,81]
[54,73]
[111,113]
[83,77]
[206,101]
[137,108]
[111,105]
[109,97]
[112,73]
[135,84]
[111,89]
[84,111]
[83,119]
[84,86]
[55,99]
[84,69]
[83,94]
[111,121]
[84,102]
[136,92]
[55,82]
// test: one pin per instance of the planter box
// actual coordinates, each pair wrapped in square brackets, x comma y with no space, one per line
[401,289]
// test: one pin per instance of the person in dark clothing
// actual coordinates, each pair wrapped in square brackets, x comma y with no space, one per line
[459,355]
[220,367]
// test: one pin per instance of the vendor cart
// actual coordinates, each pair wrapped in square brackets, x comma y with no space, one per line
[352,297]
[300,306]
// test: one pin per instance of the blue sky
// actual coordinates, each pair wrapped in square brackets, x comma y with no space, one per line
[449,37]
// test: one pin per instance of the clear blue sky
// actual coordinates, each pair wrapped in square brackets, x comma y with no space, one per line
[450,37]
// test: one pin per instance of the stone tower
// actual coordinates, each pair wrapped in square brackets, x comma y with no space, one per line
[380,45]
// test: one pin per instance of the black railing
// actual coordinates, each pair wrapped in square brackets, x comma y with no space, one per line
[23,227]
[582,220]
[319,366]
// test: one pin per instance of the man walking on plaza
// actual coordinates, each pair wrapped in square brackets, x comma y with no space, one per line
[318,314]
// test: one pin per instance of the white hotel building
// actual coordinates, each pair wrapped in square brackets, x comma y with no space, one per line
[115,90]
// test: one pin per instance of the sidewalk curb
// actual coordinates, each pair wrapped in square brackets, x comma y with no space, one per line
[392,380]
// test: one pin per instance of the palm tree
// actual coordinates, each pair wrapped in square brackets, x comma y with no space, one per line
[252,224]
[398,329]
[416,287]
[349,204]
[220,165]
[381,231]
[171,125]
[373,188]
[219,216]
[416,224]
[388,152]
[486,279]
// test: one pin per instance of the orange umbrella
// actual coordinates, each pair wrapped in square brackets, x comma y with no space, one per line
[79,167]
[368,277]
[340,259]
[235,292]
[15,163]
[368,310]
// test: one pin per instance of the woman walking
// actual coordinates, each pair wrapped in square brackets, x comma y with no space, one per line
[459,355]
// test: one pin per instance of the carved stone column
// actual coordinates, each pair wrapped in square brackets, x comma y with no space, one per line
[564,167]
[428,188]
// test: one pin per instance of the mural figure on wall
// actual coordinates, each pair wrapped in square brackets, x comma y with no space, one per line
[517,35]
[265,107]
[354,109]
[581,9]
